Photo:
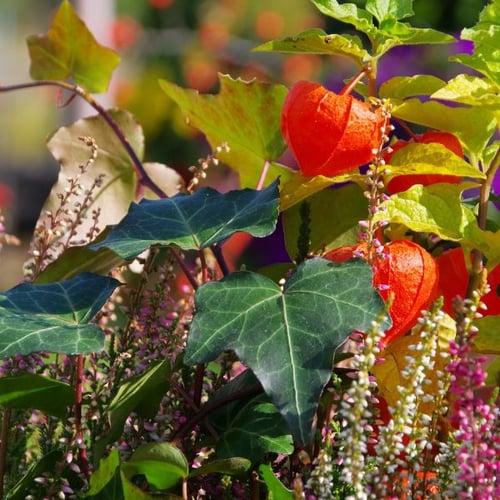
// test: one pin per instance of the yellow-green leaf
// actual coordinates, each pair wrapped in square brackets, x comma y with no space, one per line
[431,158]
[470,89]
[244,115]
[69,50]
[473,126]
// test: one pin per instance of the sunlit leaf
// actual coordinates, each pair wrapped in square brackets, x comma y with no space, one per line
[438,209]
[287,336]
[397,9]
[316,41]
[389,372]
[69,50]
[348,13]
[36,392]
[470,89]
[193,221]
[299,188]
[246,117]
[463,122]
[402,87]
[486,37]
[54,317]
[434,158]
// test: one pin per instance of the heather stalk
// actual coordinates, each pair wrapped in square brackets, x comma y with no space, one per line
[475,420]
[403,441]
[356,412]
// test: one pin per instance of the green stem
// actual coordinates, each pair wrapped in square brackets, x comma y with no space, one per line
[476,274]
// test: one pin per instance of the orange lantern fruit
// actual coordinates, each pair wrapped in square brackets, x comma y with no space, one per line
[454,279]
[408,272]
[329,134]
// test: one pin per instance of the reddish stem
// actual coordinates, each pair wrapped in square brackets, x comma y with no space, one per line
[350,86]
[80,439]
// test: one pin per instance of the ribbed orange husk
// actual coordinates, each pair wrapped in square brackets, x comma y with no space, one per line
[404,182]
[410,273]
[328,134]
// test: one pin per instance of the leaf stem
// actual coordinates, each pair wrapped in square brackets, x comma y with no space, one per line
[263,174]
[476,275]
[80,439]
[350,86]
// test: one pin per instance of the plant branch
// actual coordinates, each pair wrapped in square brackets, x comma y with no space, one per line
[143,176]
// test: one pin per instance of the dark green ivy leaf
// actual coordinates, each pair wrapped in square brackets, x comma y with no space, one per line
[194,221]
[286,336]
[54,317]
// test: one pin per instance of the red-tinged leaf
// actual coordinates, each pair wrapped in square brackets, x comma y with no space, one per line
[69,50]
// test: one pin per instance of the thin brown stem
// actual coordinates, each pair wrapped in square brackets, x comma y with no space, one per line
[144,178]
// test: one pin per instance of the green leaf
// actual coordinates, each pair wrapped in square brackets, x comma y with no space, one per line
[418,158]
[69,50]
[253,429]
[162,464]
[438,209]
[299,188]
[34,391]
[316,41]
[234,466]
[194,221]
[463,122]
[345,207]
[402,87]
[287,336]
[276,489]
[119,185]
[53,317]
[76,260]
[486,37]
[246,116]
[105,482]
[348,13]
[142,394]
[393,34]
[383,9]
[469,89]
[487,340]
[435,209]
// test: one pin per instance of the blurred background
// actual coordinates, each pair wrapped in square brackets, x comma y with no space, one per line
[184,41]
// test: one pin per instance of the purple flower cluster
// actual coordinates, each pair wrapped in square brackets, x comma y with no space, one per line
[477,424]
